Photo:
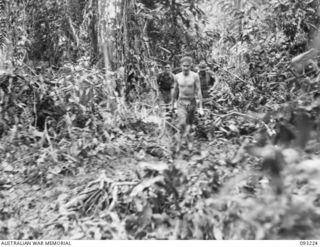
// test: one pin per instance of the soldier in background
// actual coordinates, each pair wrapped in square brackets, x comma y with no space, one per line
[165,82]
[207,80]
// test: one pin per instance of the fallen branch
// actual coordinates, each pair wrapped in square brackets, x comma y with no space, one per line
[242,115]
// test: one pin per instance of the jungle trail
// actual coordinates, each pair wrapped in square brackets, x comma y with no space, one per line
[110,146]
[203,169]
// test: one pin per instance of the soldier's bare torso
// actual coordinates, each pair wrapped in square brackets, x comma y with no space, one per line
[187,85]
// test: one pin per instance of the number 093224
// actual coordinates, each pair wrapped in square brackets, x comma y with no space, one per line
[308,242]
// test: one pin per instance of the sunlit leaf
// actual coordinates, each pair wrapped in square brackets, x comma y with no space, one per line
[156,166]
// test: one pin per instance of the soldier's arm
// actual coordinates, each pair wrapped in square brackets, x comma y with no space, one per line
[158,79]
[212,80]
[174,91]
[173,77]
[216,82]
[198,89]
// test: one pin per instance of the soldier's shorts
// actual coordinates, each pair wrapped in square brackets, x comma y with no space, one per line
[166,96]
[186,109]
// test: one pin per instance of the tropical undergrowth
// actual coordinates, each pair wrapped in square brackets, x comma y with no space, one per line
[79,163]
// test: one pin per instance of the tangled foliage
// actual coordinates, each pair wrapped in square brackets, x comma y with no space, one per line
[77,162]
[251,181]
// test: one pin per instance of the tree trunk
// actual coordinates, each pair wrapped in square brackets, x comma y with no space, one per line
[93,28]
[125,46]
[238,6]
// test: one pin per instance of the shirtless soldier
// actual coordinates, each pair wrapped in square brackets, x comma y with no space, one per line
[187,87]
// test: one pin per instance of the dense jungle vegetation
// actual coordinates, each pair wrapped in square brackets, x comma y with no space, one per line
[85,152]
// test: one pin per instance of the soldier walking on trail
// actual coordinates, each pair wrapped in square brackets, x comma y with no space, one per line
[186,90]
[207,80]
[165,81]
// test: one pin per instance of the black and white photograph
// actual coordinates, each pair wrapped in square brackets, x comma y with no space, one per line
[159,120]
